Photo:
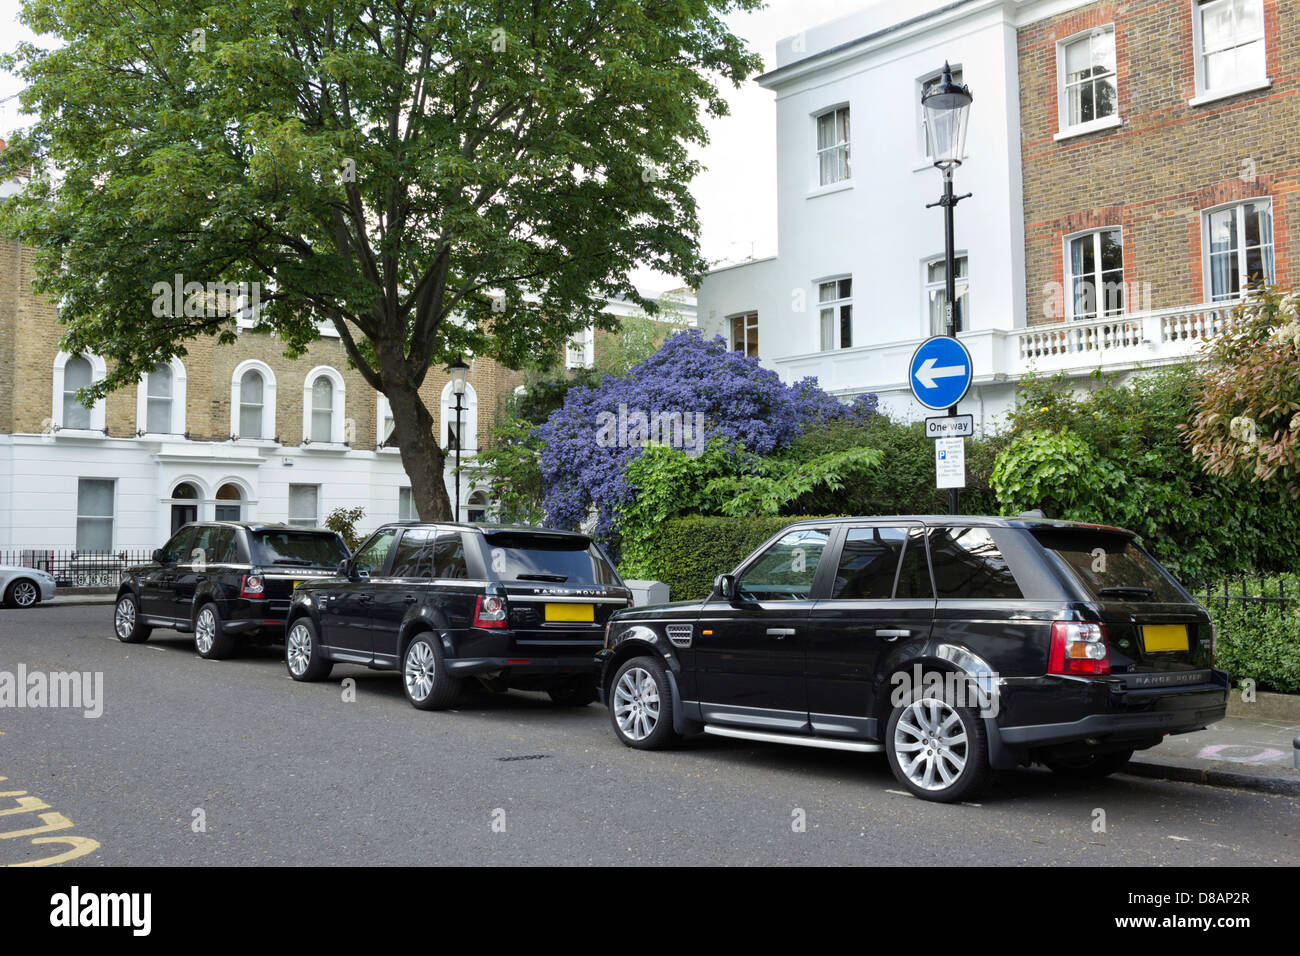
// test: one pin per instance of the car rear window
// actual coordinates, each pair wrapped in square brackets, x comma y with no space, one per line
[968,563]
[1111,566]
[547,560]
[302,548]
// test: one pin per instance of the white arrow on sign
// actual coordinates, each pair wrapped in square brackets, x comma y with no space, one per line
[927,373]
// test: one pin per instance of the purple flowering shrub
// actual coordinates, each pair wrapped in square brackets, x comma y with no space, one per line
[589,441]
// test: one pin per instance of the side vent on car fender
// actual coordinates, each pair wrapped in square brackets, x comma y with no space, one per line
[680,634]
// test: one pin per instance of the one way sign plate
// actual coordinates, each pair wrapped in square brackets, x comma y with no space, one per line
[940,372]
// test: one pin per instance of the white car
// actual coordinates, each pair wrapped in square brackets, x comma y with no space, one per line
[24,587]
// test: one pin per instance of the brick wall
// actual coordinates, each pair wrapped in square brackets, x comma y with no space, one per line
[1155,174]
[29,341]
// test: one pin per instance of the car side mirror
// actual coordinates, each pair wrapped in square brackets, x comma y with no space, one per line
[725,585]
[342,570]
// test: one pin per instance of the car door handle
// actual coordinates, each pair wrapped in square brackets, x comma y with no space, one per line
[892,634]
[365,599]
[780,632]
[409,599]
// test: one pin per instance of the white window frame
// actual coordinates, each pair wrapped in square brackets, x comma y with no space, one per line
[98,370]
[846,146]
[288,508]
[928,287]
[837,340]
[1064,126]
[383,410]
[1095,233]
[580,352]
[412,515]
[731,335]
[1204,94]
[112,516]
[1207,272]
[468,422]
[177,428]
[268,399]
[338,406]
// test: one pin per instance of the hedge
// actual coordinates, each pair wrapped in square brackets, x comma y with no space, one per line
[1258,640]
[688,553]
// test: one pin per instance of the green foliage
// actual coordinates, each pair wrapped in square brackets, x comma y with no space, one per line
[1247,417]
[688,553]
[637,337]
[1257,640]
[904,481]
[344,522]
[1116,455]
[514,478]
[721,481]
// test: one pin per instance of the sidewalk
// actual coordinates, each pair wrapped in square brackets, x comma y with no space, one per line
[74,598]
[1253,752]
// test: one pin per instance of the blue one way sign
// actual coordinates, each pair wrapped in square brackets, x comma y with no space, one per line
[940,372]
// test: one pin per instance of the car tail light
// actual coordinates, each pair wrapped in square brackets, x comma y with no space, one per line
[490,611]
[251,586]
[1078,648]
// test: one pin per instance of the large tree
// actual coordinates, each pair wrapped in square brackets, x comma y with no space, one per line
[434,178]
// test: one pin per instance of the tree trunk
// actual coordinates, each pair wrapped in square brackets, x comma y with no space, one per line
[417,438]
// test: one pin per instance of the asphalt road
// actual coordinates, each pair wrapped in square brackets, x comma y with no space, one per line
[284,773]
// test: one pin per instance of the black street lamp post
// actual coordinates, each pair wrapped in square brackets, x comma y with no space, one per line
[947,109]
[459,373]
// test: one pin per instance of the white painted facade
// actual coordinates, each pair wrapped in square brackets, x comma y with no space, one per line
[875,228]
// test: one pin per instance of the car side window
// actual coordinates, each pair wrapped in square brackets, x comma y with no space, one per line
[370,558]
[449,556]
[914,575]
[212,545]
[411,559]
[785,571]
[869,563]
[177,550]
[969,564]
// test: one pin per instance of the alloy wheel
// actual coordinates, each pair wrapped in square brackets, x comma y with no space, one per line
[931,743]
[124,618]
[205,630]
[24,594]
[421,666]
[636,704]
[298,649]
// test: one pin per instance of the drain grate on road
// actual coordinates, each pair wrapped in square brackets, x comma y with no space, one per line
[523,757]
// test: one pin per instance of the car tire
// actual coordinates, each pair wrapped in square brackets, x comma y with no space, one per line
[302,653]
[937,749]
[22,593]
[425,680]
[126,621]
[574,693]
[210,638]
[1090,766]
[641,704]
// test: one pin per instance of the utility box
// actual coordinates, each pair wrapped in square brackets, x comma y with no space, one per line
[648,592]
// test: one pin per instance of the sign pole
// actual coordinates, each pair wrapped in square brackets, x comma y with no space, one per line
[950,283]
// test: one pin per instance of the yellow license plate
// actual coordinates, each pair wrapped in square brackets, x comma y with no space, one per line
[1164,637]
[571,612]
[295,585]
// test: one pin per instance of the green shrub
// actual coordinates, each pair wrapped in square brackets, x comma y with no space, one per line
[688,553]
[1257,640]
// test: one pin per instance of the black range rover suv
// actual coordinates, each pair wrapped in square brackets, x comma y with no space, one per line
[224,582]
[957,645]
[508,606]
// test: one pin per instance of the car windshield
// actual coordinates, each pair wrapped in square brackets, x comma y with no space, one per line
[301,548]
[1111,566]
[547,561]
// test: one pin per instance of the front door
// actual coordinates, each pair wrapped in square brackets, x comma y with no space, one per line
[750,652]
[158,586]
[880,598]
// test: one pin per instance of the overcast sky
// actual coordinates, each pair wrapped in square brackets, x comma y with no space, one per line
[736,193]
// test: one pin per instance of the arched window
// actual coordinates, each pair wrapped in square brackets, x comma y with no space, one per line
[77,374]
[185,505]
[467,435]
[252,401]
[73,372]
[160,400]
[323,406]
[230,500]
[251,395]
[477,507]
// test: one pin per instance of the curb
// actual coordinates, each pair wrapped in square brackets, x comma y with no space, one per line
[1266,706]
[1194,771]
[77,600]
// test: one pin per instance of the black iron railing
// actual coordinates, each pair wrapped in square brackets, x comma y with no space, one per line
[77,569]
